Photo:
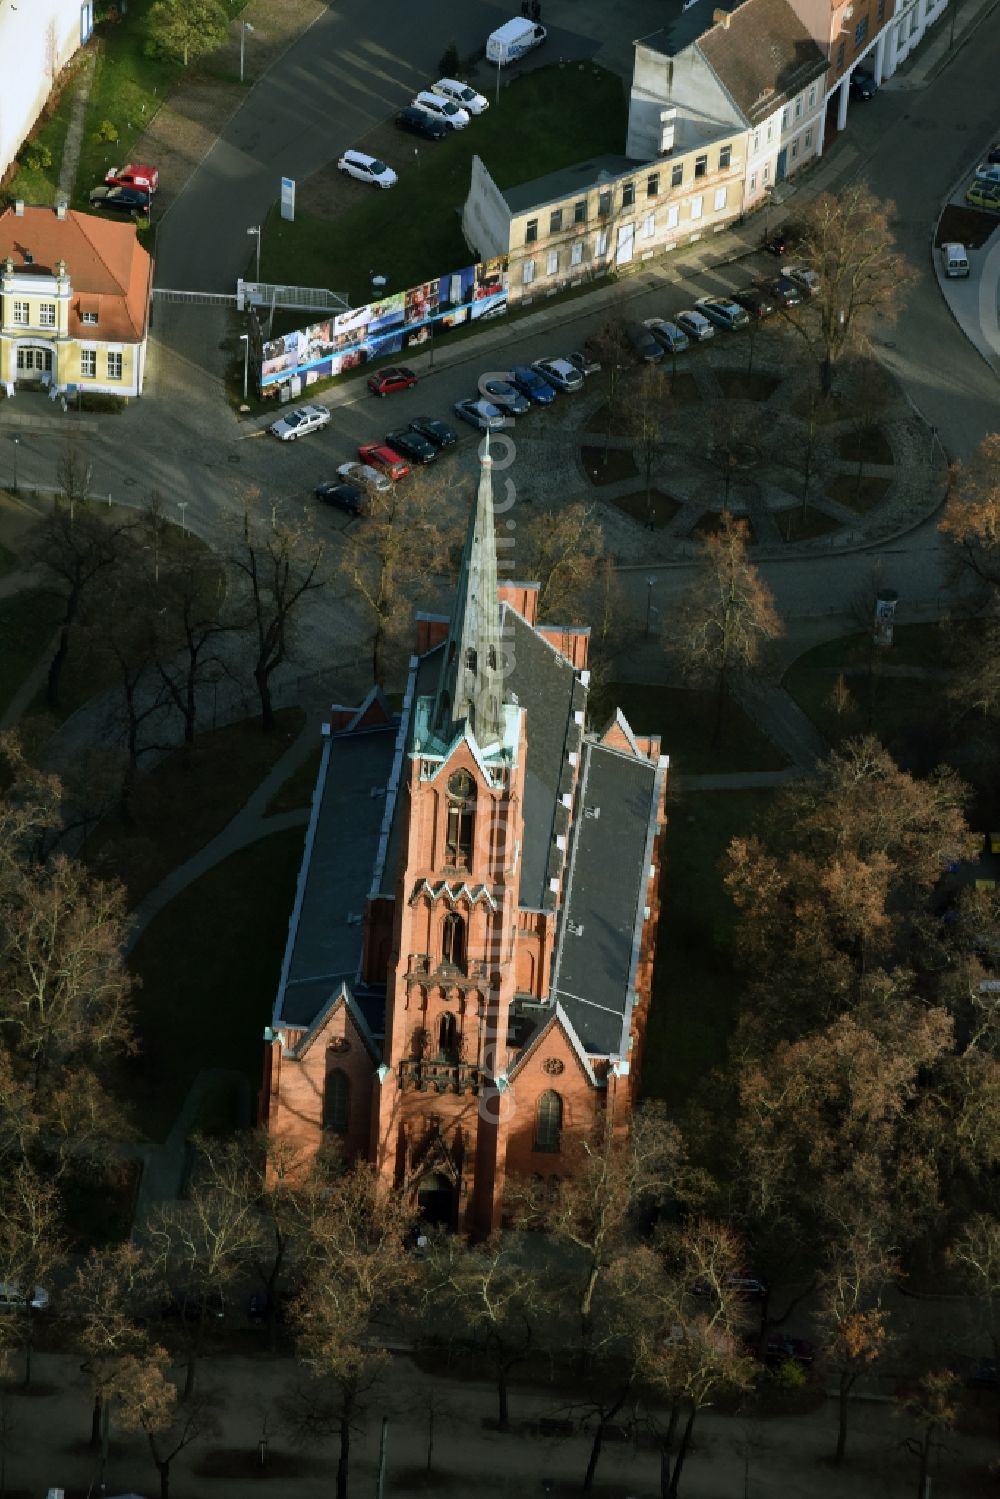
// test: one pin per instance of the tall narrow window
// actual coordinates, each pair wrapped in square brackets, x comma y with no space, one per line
[447,1036]
[471,659]
[461,809]
[548,1122]
[337,1101]
[453,940]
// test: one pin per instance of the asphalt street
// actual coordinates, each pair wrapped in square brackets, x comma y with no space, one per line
[910,143]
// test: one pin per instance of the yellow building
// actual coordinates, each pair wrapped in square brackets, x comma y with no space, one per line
[74,302]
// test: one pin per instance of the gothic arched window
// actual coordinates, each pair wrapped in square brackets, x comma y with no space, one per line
[471,659]
[453,940]
[447,1035]
[461,802]
[548,1122]
[336,1101]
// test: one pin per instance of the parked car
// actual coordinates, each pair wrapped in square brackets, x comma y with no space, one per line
[723,312]
[341,496]
[461,94]
[12,1298]
[558,372]
[386,382]
[863,85]
[411,445]
[124,200]
[672,339]
[363,477]
[439,433]
[988,171]
[530,383]
[984,195]
[134,174]
[377,455]
[803,277]
[756,302]
[643,344]
[993,154]
[419,122]
[695,324]
[505,395]
[585,362]
[298,423]
[784,293]
[781,1349]
[783,240]
[365,168]
[452,114]
[482,415]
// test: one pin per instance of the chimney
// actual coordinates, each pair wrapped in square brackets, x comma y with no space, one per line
[19,207]
[721,18]
[60,210]
[60,268]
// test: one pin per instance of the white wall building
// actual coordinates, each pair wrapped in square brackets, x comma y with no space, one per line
[756,69]
[37,40]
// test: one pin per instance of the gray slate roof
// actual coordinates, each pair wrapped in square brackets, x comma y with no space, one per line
[324,948]
[579,177]
[686,28]
[765,57]
[602,918]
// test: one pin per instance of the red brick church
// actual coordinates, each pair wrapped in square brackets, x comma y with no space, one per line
[467,976]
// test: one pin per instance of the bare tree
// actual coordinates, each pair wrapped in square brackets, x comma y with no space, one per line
[853,1322]
[847,240]
[79,550]
[279,564]
[726,618]
[647,422]
[103,1304]
[192,592]
[975,1255]
[563,551]
[31,1245]
[384,560]
[148,1402]
[932,1403]
[612,346]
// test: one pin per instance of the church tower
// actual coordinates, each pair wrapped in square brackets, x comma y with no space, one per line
[443,1083]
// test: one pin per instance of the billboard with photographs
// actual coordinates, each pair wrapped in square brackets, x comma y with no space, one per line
[395,324]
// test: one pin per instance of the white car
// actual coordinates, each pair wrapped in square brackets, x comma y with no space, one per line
[300,421]
[803,277]
[367,169]
[365,477]
[461,94]
[988,171]
[694,324]
[558,372]
[442,109]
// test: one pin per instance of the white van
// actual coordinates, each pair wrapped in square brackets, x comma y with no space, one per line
[513,40]
[956,261]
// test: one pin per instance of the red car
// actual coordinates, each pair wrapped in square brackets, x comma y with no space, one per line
[385,458]
[385,382]
[134,174]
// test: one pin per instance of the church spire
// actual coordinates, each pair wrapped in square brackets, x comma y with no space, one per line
[470,687]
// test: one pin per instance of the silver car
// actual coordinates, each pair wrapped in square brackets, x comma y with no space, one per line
[365,477]
[673,339]
[803,277]
[560,373]
[300,421]
[694,324]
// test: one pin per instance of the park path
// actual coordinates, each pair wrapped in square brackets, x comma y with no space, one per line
[74,131]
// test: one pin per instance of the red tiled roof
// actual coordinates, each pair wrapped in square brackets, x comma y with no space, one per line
[109,270]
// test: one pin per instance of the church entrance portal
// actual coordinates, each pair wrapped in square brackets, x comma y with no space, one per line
[436,1199]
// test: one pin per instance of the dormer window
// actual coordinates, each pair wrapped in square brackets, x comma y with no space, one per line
[89,317]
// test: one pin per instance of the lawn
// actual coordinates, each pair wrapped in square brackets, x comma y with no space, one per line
[794,526]
[28,622]
[549,118]
[297,791]
[845,489]
[209,966]
[41,184]
[8,559]
[893,708]
[662,506]
[211,781]
[685,720]
[695,989]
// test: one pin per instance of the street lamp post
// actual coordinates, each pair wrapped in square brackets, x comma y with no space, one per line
[255,234]
[245,341]
[16,441]
[244,28]
[182,506]
[650,585]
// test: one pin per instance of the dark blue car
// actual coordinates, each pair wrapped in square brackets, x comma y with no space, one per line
[531,384]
